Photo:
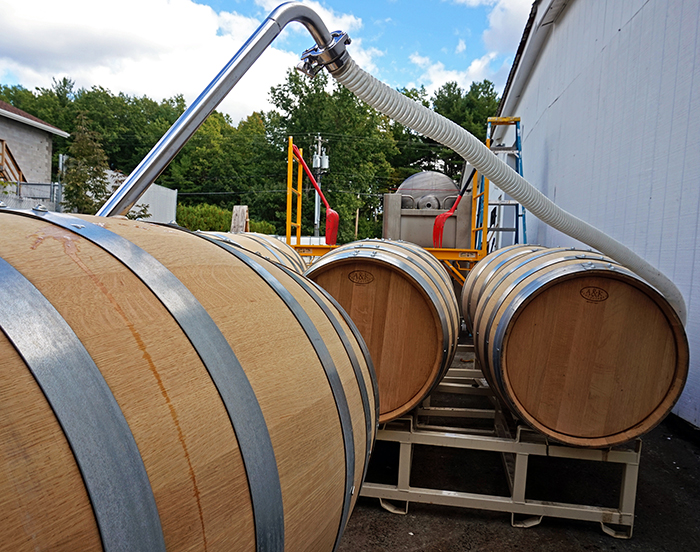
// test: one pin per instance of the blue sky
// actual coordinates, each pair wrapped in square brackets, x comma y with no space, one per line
[160,48]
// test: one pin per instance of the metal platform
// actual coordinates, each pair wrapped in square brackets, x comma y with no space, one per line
[490,428]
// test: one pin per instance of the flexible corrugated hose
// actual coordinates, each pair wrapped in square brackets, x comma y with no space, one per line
[417,117]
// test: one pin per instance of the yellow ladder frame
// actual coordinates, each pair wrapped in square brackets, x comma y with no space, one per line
[290,194]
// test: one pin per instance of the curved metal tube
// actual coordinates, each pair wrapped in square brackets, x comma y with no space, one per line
[177,136]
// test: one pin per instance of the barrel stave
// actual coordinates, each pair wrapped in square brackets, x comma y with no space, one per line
[579,347]
[173,409]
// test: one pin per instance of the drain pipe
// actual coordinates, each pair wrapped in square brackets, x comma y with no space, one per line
[429,123]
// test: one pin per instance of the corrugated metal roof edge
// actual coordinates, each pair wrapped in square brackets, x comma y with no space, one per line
[518,55]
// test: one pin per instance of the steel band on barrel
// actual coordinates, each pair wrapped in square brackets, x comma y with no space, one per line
[220,361]
[326,361]
[100,438]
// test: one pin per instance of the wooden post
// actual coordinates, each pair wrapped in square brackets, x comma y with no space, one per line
[239,219]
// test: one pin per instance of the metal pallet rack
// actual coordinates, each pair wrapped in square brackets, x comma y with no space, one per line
[516,443]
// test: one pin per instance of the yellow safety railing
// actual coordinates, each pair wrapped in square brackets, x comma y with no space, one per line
[291,191]
[457,261]
[303,250]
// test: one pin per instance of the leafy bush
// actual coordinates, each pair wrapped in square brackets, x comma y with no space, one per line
[262,227]
[205,217]
[210,218]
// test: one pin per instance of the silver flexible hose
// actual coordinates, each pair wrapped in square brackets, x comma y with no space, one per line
[425,121]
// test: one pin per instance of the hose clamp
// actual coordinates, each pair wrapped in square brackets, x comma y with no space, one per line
[333,56]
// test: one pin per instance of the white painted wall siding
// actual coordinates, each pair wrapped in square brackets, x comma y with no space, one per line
[162,203]
[610,118]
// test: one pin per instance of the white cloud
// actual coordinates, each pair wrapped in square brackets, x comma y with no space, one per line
[421,61]
[156,48]
[474,3]
[435,74]
[506,23]
[160,48]
[333,20]
[507,20]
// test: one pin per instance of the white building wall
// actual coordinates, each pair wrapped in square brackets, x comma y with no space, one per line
[610,117]
[162,203]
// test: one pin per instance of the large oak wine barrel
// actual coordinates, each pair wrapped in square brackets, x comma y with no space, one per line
[160,389]
[266,246]
[578,346]
[404,305]
[483,271]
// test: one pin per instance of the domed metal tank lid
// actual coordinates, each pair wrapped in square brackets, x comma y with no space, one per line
[427,184]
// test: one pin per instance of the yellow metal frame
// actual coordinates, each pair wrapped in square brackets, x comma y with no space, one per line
[457,261]
[303,250]
[503,120]
[314,250]
[290,194]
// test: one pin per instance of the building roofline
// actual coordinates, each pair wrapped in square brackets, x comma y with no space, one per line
[537,30]
[518,56]
[11,112]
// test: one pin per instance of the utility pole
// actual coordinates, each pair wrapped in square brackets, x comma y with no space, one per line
[319,165]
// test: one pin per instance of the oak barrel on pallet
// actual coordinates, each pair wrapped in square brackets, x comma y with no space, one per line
[578,346]
[160,389]
[483,271]
[266,246]
[404,305]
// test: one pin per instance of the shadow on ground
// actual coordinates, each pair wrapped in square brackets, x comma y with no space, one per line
[667,512]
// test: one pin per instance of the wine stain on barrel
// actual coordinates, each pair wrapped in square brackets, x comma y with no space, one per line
[71,248]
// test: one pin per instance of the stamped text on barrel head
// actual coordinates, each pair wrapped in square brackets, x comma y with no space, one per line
[361,277]
[594,294]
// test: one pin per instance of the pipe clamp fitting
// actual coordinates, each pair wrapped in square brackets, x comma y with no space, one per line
[333,56]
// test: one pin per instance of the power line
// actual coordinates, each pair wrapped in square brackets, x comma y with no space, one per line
[334,191]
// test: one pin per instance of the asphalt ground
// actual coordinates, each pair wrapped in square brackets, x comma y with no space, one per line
[667,508]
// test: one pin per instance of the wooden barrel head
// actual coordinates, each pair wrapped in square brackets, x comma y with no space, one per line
[405,309]
[580,348]
[593,358]
[401,329]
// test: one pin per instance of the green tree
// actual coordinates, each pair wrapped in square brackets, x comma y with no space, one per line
[414,152]
[357,138]
[224,165]
[481,102]
[263,171]
[128,126]
[85,181]
[207,165]
[470,110]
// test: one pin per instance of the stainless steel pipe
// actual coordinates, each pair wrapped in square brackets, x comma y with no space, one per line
[123,199]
